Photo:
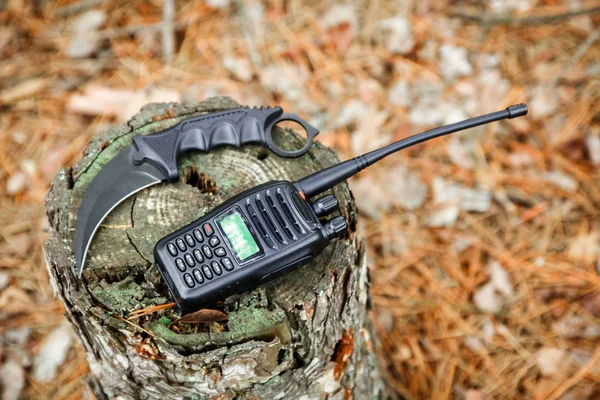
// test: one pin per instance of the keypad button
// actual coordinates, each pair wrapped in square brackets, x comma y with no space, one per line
[207,251]
[198,275]
[227,264]
[189,280]
[214,241]
[208,230]
[190,260]
[190,240]
[198,235]
[220,251]
[180,264]
[216,267]
[181,244]
[207,272]
[198,255]
[172,249]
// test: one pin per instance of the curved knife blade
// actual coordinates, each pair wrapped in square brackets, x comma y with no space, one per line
[153,158]
[118,180]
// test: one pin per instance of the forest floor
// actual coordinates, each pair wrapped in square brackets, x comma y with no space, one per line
[483,247]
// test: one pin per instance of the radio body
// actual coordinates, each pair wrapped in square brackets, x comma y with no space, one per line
[270,229]
[250,239]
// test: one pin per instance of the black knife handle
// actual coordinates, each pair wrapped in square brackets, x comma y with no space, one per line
[234,127]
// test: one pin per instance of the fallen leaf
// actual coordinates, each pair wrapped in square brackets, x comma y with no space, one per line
[101,100]
[14,301]
[487,299]
[592,143]
[350,113]
[584,247]
[543,102]
[83,42]
[240,68]
[591,303]
[499,277]
[53,352]
[20,243]
[408,190]
[474,343]
[476,200]
[24,89]
[549,360]
[16,183]
[472,394]
[148,349]
[490,297]
[574,326]
[4,280]
[340,16]
[371,199]
[342,353]
[561,180]
[454,62]
[444,217]
[205,315]
[397,35]
[218,3]
[12,379]
[399,94]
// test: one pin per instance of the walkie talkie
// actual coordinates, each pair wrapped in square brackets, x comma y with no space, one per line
[270,229]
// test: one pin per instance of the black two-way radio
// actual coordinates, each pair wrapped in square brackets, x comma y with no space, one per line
[270,229]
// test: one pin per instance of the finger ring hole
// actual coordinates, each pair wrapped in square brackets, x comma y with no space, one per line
[289,135]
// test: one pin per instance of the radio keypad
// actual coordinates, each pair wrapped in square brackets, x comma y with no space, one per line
[199,263]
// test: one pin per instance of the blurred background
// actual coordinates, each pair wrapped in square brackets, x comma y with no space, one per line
[483,247]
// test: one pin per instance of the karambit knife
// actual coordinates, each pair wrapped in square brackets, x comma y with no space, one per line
[153,159]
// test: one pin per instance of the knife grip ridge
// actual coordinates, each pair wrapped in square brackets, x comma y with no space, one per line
[233,127]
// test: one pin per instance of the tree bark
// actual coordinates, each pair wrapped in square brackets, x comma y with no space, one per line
[305,335]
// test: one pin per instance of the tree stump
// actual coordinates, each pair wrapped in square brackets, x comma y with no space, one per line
[301,336]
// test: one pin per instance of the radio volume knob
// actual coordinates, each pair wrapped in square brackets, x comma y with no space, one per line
[325,205]
[336,227]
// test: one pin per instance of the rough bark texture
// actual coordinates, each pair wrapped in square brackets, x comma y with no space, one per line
[305,335]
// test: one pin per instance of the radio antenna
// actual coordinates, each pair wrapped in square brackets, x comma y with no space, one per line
[327,178]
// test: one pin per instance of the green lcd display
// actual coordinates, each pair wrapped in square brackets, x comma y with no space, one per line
[239,235]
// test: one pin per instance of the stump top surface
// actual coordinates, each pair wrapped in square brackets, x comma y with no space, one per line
[120,274]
